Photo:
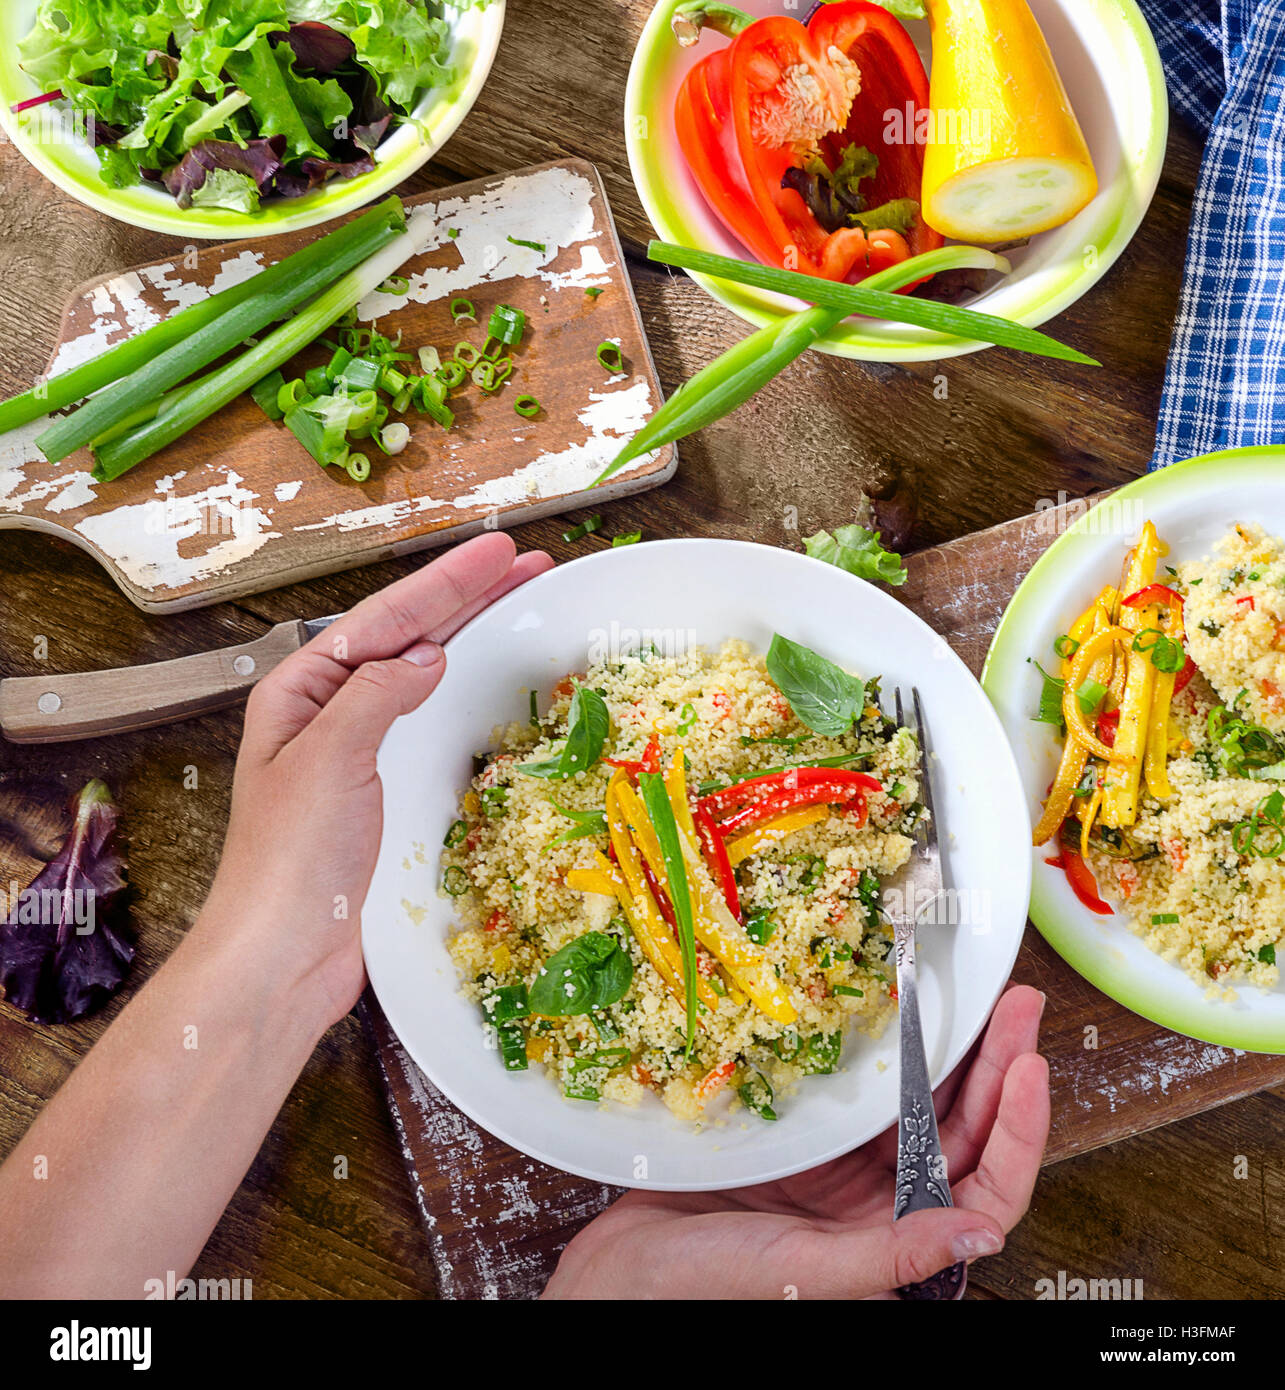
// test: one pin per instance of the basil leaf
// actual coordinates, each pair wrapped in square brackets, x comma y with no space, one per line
[858,551]
[586,823]
[828,700]
[549,767]
[589,724]
[588,974]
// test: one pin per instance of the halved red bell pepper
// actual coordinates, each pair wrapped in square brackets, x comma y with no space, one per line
[749,114]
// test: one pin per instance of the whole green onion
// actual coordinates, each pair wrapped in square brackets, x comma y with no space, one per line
[127,356]
[239,375]
[871,299]
[730,380]
[346,248]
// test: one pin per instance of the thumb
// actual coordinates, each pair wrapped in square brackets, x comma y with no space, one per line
[878,1259]
[359,714]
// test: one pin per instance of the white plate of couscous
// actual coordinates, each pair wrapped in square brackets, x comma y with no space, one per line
[1140,674]
[670,762]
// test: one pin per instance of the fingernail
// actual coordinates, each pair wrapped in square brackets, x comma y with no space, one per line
[424,654]
[972,1245]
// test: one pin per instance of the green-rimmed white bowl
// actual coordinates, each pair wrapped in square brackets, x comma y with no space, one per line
[1192,504]
[1109,63]
[66,159]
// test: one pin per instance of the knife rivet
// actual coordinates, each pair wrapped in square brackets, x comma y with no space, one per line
[49,703]
[244,666]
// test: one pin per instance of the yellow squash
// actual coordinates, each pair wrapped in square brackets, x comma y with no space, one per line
[1005,157]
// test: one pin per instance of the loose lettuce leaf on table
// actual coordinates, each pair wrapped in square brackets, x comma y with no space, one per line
[61,956]
[858,551]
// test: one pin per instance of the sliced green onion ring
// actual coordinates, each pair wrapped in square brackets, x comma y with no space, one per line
[610,358]
[527,406]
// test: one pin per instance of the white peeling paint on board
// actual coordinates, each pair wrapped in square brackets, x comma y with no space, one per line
[144,539]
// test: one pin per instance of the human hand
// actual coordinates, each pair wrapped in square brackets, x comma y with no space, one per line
[307,809]
[829,1233]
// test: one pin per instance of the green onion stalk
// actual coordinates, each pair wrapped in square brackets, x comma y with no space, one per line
[345,249]
[120,455]
[730,380]
[136,351]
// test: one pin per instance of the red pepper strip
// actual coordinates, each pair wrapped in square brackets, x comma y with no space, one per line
[1246,598]
[1183,679]
[1080,877]
[817,794]
[716,857]
[662,898]
[1108,723]
[650,761]
[719,803]
[1154,593]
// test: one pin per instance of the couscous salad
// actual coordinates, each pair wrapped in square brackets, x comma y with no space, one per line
[1169,698]
[669,881]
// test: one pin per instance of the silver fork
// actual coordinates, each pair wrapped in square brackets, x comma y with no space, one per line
[921,1166]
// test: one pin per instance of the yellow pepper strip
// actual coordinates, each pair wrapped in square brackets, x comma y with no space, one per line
[772,832]
[1087,817]
[716,929]
[1120,801]
[676,788]
[1155,768]
[1088,623]
[1056,808]
[597,881]
[650,928]
[1076,725]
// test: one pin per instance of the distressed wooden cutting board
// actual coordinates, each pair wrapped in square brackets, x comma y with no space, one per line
[497,1220]
[238,506]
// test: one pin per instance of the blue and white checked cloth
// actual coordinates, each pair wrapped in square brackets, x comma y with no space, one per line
[1225,382]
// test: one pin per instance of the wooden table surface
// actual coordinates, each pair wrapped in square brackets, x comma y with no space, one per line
[977,440]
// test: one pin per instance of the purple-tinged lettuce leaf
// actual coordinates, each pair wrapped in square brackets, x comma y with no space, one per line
[319,47]
[312,173]
[61,957]
[259,160]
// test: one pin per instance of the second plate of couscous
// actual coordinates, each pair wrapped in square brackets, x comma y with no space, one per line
[1140,674]
[792,1056]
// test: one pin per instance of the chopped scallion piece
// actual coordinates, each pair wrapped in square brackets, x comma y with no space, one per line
[530,245]
[632,538]
[507,324]
[610,358]
[527,406]
[462,311]
[585,528]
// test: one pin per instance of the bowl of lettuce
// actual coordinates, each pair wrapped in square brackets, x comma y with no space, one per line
[226,118]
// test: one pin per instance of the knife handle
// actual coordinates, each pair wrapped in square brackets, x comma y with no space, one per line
[58,709]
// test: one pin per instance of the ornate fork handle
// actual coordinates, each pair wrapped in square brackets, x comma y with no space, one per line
[921,1166]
